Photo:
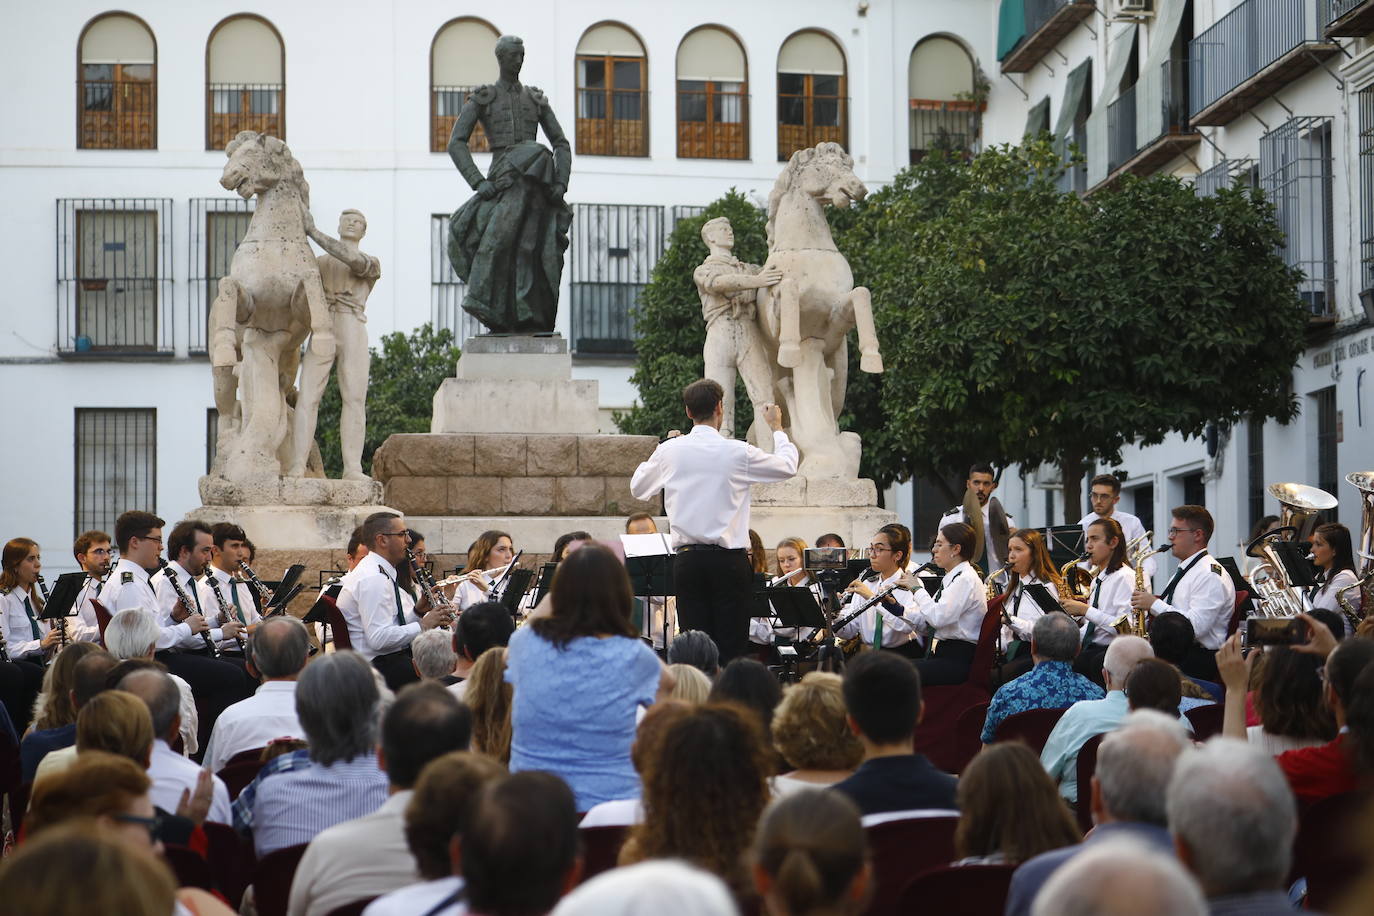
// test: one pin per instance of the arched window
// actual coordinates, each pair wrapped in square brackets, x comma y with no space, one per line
[117,84]
[245,81]
[462,58]
[940,86]
[812,93]
[612,89]
[712,96]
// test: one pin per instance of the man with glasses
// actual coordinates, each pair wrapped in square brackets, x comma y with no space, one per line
[381,615]
[1200,590]
[995,524]
[1104,492]
[93,554]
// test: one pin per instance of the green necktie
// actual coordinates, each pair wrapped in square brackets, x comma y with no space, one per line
[234,596]
[878,630]
[33,623]
[400,614]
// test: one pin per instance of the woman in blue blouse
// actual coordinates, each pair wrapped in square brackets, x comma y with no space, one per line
[579,676]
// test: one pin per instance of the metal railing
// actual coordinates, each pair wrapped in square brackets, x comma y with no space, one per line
[117,114]
[1039,12]
[1365,99]
[217,225]
[615,248]
[445,103]
[712,122]
[1121,130]
[232,107]
[114,276]
[944,125]
[1331,10]
[446,288]
[1296,173]
[116,465]
[1243,42]
[612,122]
[1222,175]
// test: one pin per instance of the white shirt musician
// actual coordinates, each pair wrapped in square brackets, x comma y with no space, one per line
[129,588]
[1022,609]
[24,630]
[1109,595]
[1104,493]
[168,614]
[1333,557]
[86,627]
[380,614]
[762,630]
[886,624]
[953,618]
[997,524]
[235,595]
[488,558]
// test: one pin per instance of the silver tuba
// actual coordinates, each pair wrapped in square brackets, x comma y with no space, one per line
[1364,586]
[1299,508]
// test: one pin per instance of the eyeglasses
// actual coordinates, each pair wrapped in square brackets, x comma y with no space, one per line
[1175,532]
[393,534]
[152,824]
[149,537]
[879,548]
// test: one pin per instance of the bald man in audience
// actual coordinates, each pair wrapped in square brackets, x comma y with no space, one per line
[1121,878]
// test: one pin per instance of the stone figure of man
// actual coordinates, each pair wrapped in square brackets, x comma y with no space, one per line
[729,289]
[348,276]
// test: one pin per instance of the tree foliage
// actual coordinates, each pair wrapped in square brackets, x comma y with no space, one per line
[400,393]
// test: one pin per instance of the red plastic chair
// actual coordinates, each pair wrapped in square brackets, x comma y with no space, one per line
[1032,727]
[272,879]
[189,867]
[1327,850]
[1206,720]
[337,625]
[943,705]
[232,861]
[237,776]
[959,890]
[902,850]
[600,849]
[968,734]
[102,617]
[1087,766]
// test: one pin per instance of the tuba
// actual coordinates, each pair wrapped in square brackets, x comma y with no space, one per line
[1364,482]
[1299,509]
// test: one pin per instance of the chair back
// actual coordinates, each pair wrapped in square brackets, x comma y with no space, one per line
[189,866]
[985,653]
[232,861]
[1327,850]
[337,624]
[903,849]
[1032,727]
[968,734]
[959,890]
[600,849]
[1087,766]
[272,879]
[102,617]
[253,753]
[238,775]
[1237,613]
[1206,720]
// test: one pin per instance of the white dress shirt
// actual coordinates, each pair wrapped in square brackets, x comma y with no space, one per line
[1023,610]
[85,628]
[989,552]
[1109,596]
[1131,528]
[1206,596]
[705,480]
[622,812]
[469,594]
[419,898]
[238,595]
[364,857]
[18,629]
[269,713]
[172,773]
[167,602]
[898,629]
[1325,595]
[128,588]
[959,611]
[368,601]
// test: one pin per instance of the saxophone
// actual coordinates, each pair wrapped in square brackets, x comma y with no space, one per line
[1136,622]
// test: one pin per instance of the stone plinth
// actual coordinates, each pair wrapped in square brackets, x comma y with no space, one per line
[856,524]
[816,492]
[515,384]
[511,474]
[293,514]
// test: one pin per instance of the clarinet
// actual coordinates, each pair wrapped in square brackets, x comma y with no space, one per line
[264,593]
[226,613]
[878,596]
[187,603]
[61,624]
[438,601]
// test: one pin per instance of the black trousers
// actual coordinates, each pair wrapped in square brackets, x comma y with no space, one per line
[217,683]
[20,682]
[397,669]
[1200,663]
[713,595]
[948,664]
[1089,662]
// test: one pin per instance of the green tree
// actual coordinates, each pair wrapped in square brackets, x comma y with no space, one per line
[400,392]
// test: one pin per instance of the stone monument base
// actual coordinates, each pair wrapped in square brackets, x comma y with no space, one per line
[515,384]
[807,507]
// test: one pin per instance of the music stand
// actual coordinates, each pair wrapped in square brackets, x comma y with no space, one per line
[1292,556]
[1065,542]
[62,598]
[1240,583]
[285,590]
[517,582]
[545,582]
[650,560]
[795,606]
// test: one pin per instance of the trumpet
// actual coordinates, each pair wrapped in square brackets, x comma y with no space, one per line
[226,611]
[186,603]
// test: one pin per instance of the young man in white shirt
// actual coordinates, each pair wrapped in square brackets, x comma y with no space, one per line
[1104,492]
[277,651]
[705,480]
[997,524]
[228,548]
[92,552]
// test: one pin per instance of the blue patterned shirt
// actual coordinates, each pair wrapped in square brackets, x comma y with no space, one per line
[1049,685]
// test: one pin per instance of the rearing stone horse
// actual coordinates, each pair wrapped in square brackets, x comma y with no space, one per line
[806,318]
[270,300]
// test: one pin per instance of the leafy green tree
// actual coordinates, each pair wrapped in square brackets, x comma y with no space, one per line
[400,392]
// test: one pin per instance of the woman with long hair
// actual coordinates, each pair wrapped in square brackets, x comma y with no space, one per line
[884,625]
[789,571]
[953,617]
[1028,559]
[26,637]
[703,793]
[488,696]
[579,675]
[1009,808]
[54,707]
[758,557]
[1334,558]
[1109,595]
[490,553]
[810,856]
[1288,701]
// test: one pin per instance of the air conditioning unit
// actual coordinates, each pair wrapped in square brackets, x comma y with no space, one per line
[1134,7]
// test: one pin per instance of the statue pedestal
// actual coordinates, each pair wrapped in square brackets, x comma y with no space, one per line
[807,507]
[515,385]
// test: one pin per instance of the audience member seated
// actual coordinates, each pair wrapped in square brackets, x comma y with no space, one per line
[1233,819]
[133,634]
[172,774]
[1121,877]
[480,627]
[276,653]
[664,888]
[432,655]
[1051,684]
[1340,765]
[1172,638]
[715,755]
[689,684]
[882,693]
[113,721]
[1009,810]
[578,676]
[1154,684]
[447,787]
[296,796]
[698,649]
[1092,717]
[625,812]
[1128,797]
[811,732]
[489,698]
[52,708]
[1288,700]
[369,856]
[88,672]
[811,856]
[749,683]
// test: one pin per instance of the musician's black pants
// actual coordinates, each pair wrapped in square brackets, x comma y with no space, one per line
[1200,663]
[397,669]
[948,664]
[713,595]
[19,685]
[216,683]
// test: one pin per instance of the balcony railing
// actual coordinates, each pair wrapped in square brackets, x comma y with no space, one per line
[218,224]
[1296,173]
[1222,175]
[952,126]
[445,102]
[612,122]
[1047,22]
[118,113]
[446,288]
[615,249]
[1251,52]
[712,120]
[1148,123]
[1347,18]
[232,107]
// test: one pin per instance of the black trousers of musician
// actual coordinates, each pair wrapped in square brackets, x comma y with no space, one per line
[397,669]
[713,595]
[948,664]
[216,683]
[1200,663]
[1089,661]
[20,682]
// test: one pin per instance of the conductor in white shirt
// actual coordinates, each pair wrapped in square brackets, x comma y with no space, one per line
[705,480]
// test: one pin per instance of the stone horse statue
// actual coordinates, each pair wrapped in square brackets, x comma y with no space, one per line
[805,320]
[270,300]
